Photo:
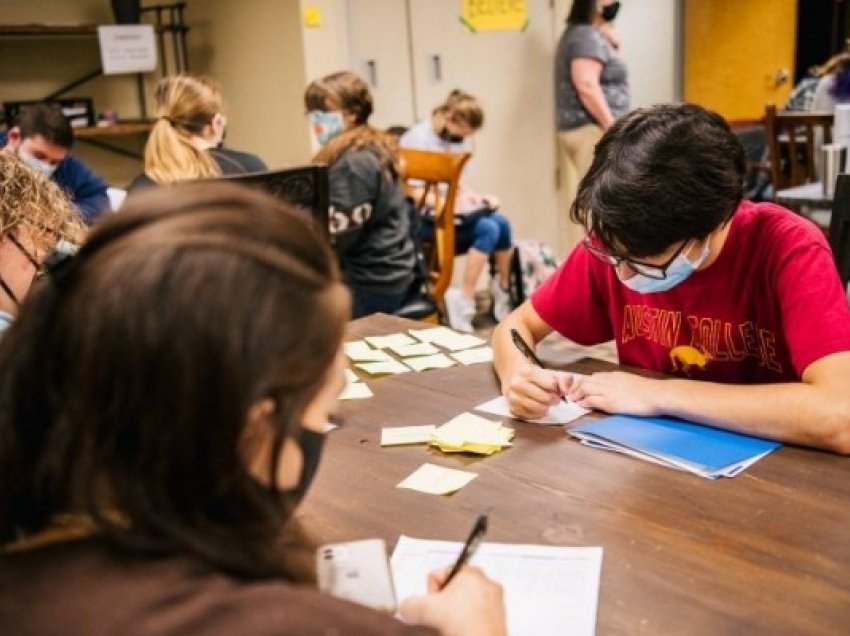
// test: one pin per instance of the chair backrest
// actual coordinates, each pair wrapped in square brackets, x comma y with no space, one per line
[305,186]
[839,227]
[793,140]
[431,179]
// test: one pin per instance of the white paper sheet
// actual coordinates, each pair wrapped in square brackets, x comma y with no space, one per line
[359,351]
[418,349]
[436,480]
[447,338]
[389,367]
[421,363]
[392,340]
[402,435]
[561,413]
[356,391]
[548,589]
[474,356]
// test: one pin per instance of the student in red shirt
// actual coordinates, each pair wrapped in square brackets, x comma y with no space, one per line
[739,302]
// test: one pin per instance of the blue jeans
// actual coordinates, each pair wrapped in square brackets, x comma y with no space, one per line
[365,302]
[490,233]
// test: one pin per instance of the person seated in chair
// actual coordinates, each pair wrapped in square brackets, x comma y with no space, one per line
[369,213]
[42,138]
[186,140]
[153,459]
[740,302]
[481,230]
[35,215]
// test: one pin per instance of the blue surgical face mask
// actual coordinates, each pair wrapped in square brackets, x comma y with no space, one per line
[33,163]
[6,320]
[678,271]
[326,125]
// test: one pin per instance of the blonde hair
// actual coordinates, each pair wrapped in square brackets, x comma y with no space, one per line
[36,203]
[185,106]
[462,108]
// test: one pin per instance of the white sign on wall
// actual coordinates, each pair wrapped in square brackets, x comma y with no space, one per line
[127,48]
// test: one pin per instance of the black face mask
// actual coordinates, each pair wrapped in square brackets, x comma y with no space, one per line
[448,137]
[311,444]
[609,12]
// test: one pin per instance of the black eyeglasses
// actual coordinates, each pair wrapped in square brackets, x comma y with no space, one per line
[658,272]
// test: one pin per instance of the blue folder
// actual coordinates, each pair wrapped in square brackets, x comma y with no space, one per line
[705,450]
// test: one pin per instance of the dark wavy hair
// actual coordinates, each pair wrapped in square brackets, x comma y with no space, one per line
[661,175]
[582,11]
[127,382]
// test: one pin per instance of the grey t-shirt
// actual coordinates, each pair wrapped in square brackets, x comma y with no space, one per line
[582,40]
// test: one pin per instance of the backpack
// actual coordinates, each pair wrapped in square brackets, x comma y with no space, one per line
[531,264]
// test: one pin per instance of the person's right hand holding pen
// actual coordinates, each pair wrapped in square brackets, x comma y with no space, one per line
[530,389]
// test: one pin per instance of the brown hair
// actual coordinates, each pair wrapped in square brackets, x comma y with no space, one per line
[346,91]
[127,381]
[462,108]
[46,120]
[185,106]
[35,202]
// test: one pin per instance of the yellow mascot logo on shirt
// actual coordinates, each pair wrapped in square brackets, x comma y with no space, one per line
[684,358]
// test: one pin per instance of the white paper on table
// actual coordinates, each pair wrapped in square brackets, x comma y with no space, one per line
[400,435]
[547,589]
[474,356]
[392,340]
[436,480]
[561,413]
[439,361]
[383,368]
[356,391]
[431,334]
[418,349]
[350,376]
[359,351]
[447,338]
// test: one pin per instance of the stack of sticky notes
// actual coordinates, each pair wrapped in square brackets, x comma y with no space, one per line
[466,433]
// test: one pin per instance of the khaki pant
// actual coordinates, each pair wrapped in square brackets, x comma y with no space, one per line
[577,146]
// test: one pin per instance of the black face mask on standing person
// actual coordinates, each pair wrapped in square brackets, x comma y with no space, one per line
[610,11]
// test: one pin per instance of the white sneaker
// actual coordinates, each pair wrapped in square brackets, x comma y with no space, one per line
[460,310]
[502,304]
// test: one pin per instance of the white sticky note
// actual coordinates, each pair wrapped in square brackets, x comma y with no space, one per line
[359,351]
[439,361]
[350,376]
[418,349]
[356,391]
[474,356]
[436,480]
[431,334]
[392,340]
[390,367]
[561,413]
[400,435]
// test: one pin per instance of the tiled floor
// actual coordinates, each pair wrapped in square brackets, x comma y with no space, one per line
[554,349]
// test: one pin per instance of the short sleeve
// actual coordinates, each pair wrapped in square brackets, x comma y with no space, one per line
[587,42]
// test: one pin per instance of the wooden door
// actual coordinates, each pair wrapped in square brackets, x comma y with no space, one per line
[379,51]
[737,54]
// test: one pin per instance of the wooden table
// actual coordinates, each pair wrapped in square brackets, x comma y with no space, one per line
[767,552]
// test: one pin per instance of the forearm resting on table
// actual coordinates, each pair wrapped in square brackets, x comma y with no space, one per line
[814,412]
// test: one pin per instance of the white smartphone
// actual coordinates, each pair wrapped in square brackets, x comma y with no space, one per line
[357,571]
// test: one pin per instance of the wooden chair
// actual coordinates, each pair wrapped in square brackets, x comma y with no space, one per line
[793,141]
[839,227]
[305,186]
[431,179]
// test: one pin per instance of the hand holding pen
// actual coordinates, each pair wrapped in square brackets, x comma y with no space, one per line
[529,354]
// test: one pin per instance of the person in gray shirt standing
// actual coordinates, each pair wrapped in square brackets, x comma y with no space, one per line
[591,82]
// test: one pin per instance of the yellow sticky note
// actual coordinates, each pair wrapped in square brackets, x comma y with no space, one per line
[383,368]
[469,433]
[312,16]
[400,435]
[356,391]
[436,480]
[392,340]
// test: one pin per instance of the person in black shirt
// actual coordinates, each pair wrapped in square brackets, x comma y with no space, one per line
[369,214]
[185,142]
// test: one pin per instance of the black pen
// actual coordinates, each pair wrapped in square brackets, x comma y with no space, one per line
[469,548]
[525,350]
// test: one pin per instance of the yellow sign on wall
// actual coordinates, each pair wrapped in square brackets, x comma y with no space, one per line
[495,15]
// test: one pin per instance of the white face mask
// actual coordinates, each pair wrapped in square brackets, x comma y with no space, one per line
[326,125]
[678,271]
[45,168]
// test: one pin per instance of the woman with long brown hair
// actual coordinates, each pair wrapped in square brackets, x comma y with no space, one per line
[369,214]
[161,411]
[185,142]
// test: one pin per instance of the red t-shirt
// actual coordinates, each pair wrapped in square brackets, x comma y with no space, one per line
[770,305]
